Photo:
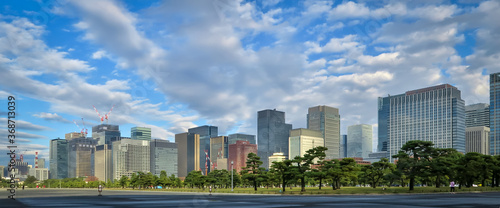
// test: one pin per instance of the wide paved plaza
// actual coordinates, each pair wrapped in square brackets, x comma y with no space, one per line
[116,198]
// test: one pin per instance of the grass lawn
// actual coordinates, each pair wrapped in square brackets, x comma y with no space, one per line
[328,190]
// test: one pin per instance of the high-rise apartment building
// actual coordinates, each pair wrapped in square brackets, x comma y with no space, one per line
[104,133]
[495,113]
[435,114]
[58,157]
[359,140]
[81,157]
[343,146]
[327,120]
[205,132]
[140,133]
[238,154]
[477,139]
[188,148]
[103,162]
[477,115]
[219,152]
[163,157]
[273,134]
[242,137]
[130,156]
[302,140]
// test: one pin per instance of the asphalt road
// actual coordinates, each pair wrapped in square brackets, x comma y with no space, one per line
[145,199]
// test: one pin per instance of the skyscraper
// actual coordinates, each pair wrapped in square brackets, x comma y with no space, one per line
[41,163]
[435,114]
[103,133]
[81,157]
[163,157]
[477,115]
[302,140]
[219,152]
[495,113]
[205,132]
[359,140]
[477,139]
[384,105]
[343,146]
[140,133]
[327,120]
[238,154]
[188,156]
[103,162]
[273,134]
[58,158]
[130,156]
[242,137]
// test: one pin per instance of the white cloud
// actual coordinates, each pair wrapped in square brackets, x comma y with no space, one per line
[349,10]
[51,117]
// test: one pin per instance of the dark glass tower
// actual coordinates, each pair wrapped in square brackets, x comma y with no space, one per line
[495,114]
[273,134]
[205,132]
[58,158]
[104,133]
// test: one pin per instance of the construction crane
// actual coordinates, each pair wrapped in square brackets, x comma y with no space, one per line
[86,130]
[81,130]
[106,116]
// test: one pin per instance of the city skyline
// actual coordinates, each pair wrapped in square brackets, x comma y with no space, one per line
[166,73]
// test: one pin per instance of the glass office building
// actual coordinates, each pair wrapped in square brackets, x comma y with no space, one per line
[273,134]
[241,137]
[327,120]
[163,157]
[58,158]
[140,133]
[205,132]
[434,114]
[495,114]
[104,133]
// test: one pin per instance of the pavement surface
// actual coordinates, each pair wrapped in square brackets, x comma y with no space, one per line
[145,199]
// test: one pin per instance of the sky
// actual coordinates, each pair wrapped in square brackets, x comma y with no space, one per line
[172,65]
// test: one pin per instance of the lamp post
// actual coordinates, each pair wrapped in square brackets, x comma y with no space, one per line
[231,176]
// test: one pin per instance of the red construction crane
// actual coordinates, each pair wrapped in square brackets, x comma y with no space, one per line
[81,130]
[86,130]
[106,116]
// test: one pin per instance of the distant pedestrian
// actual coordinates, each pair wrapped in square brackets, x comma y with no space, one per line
[23,187]
[452,186]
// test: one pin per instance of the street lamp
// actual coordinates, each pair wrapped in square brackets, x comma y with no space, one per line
[231,176]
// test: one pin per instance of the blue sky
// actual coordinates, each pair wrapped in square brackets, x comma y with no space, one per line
[173,65]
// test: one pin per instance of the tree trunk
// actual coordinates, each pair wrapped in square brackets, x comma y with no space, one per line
[438,182]
[303,184]
[412,183]
[320,183]
[255,184]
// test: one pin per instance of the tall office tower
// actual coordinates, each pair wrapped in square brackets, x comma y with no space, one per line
[343,146]
[495,114]
[103,133]
[273,134]
[40,174]
[276,157]
[477,139]
[205,132]
[103,163]
[188,153]
[435,114]
[2,169]
[384,105]
[72,135]
[219,152]
[238,154]
[81,157]
[58,157]
[327,120]
[163,157]
[130,156]
[302,140]
[359,140]
[477,115]
[242,137]
[140,133]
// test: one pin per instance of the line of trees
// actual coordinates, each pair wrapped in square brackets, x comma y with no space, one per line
[418,162]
